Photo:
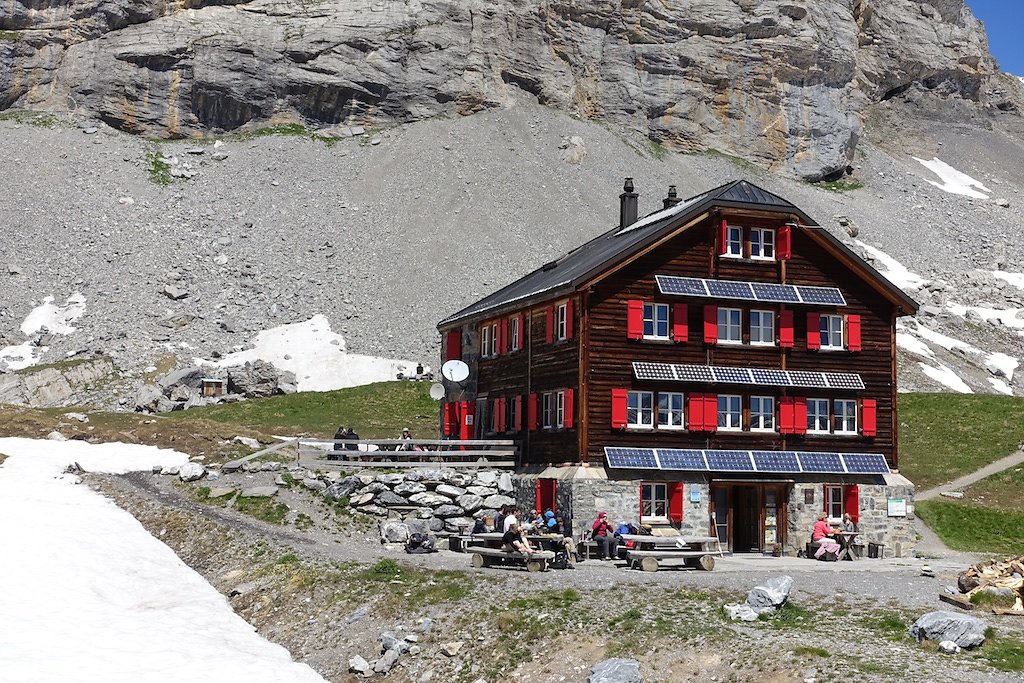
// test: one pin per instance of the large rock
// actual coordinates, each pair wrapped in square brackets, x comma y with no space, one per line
[469,502]
[187,377]
[505,483]
[458,524]
[386,661]
[497,500]
[448,511]
[771,595]
[389,499]
[342,489]
[259,492]
[357,664]
[191,471]
[148,398]
[450,491]
[616,671]
[391,479]
[486,478]
[255,379]
[394,532]
[429,499]
[482,491]
[408,488]
[966,631]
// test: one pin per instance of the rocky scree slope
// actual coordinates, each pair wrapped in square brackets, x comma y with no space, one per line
[786,83]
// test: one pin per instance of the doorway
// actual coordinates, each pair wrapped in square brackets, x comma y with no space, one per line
[746,533]
[748,518]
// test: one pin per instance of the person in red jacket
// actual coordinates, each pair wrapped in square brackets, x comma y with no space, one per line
[604,534]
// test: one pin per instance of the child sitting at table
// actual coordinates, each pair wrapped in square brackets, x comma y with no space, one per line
[822,536]
[848,524]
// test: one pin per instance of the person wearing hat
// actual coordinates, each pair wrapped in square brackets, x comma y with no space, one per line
[407,439]
[604,534]
[553,528]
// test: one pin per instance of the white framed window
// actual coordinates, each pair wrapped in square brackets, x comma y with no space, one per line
[494,339]
[640,409]
[670,411]
[762,243]
[559,409]
[730,326]
[513,327]
[548,410]
[730,412]
[653,500]
[834,503]
[656,321]
[817,415]
[845,413]
[560,324]
[511,419]
[762,414]
[492,407]
[762,328]
[734,241]
[831,331]
[485,341]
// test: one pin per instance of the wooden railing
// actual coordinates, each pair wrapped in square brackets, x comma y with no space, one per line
[468,453]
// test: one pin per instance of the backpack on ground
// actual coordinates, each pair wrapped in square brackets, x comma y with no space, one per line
[419,544]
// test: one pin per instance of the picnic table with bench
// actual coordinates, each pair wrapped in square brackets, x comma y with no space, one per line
[487,551]
[648,552]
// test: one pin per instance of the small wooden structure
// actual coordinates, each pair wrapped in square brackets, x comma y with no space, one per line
[212,386]
[459,453]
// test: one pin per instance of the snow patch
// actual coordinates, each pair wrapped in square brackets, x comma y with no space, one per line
[1002,363]
[954,181]
[1009,317]
[894,271]
[306,349]
[21,356]
[908,342]
[134,611]
[946,342]
[946,376]
[1015,279]
[56,319]
[1000,386]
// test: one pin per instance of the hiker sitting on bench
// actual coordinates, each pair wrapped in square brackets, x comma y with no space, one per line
[514,542]
[822,537]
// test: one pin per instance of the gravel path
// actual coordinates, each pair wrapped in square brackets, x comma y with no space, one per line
[960,482]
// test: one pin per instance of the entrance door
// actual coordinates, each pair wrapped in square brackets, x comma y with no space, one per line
[547,493]
[746,519]
[720,514]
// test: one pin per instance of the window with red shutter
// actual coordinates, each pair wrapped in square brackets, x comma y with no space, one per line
[710,412]
[799,415]
[518,418]
[853,332]
[503,414]
[675,502]
[567,415]
[568,319]
[786,415]
[453,345]
[634,319]
[852,502]
[695,418]
[813,332]
[620,414]
[531,418]
[723,237]
[868,416]
[549,325]
[785,241]
[786,335]
[680,323]
[710,324]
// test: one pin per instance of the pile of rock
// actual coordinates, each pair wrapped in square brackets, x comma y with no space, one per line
[953,631]
[182,389]
[392,646]
[764,599]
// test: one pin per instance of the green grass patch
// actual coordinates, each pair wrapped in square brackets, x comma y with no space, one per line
[26,116]
[989,600]
[944,436]
[739,162]
[549,599]
[790,616]
[61,366]
[808,650]
[443,587]
[384,570]
[1000,490]
[12,36]
[842,185]
[889,625]
[1004,654]
[286,129]
[973,528]
[158,169]
[265,509]
[303,522]
[375,410]
[287,558]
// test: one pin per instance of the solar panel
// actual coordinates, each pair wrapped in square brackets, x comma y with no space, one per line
[776,461]
[865,463]
[769,291]
[729,461]
[631,458]
[844,380]
[728,289]
[821,295]
[802,378]
[685,286]
[732,375]
[679,459]
[653,370]
[820,462]
[773,378]
[693,373]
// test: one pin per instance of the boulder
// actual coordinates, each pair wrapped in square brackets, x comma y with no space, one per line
[459,479]
[616,671]
[488,478]
[966,631]
[408,488]
[414,475]
[270,466]
[374,487]
[254,379]
[375,510]
[394,532]
[314,484]
[435,524]
[742,612]
[389,498]
[497,500]
[450,491]
[358,665]
[247,441]
[170,471]
[390,480]
[148,398]
[259,492]
[444,511]
[505,483]
[482,491]
[189,377]
[457,524]
[191,471]
[342,489]
[418,526]
[771,595]
[361,499]
[469,502]
[949,647]
[386,661]
[221,491]
[388,641]
[429,499]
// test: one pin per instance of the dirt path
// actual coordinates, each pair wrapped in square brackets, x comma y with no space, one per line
[968,479]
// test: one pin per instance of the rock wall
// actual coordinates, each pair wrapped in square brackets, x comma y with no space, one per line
[783,82]
[54,385]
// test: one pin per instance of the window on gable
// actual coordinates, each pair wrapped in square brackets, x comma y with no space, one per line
[762,413]
[640,409]
[762,243]
[653,500]
[845,413]
[729,412]
[734,241]
[560,324]
[762,327]
[817,415]
[514,333]
[831,331]
[670,411]
[655,321]
[730,327]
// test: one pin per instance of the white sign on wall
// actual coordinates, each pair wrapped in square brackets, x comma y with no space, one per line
[897,507]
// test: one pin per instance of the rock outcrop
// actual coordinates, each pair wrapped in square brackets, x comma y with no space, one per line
[786,83]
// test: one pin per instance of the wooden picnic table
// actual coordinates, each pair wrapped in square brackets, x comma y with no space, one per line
[492,552]
[648,552]
[846,543]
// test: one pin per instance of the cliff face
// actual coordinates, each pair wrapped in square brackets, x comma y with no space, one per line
[783,82]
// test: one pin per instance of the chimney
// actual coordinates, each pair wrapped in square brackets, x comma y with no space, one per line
[627,204]
[673,197]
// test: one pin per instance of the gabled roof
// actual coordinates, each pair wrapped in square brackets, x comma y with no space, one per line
[565,274]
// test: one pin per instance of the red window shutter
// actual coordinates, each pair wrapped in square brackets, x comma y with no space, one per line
[468,420]
[799,415]
[853,332]
[503,415]
[567,409]
[635,319]
[521,331]
[695,418]
[723,237]
[518,424]
[868,416]
[568,319]
[851,503]
[537,498]
[549,328]
[710,412]
[680,323]
[675,502]
[531,418]
[451,419]
[453,345]
[786,415]
[710,324]
[619,409]
[813,332]
[786,329]
[784,243]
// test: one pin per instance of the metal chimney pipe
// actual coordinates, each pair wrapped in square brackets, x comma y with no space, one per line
[673,197]
[628,204]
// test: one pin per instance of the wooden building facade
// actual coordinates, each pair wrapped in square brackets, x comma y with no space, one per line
[726,344]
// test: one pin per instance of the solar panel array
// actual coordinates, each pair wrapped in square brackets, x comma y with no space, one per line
[717,460]
[757,376]
[750,291]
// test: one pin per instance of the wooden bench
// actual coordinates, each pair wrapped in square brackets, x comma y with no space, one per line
[486,557]
[650,560]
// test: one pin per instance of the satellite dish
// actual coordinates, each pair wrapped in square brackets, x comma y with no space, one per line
[437,391]
[455,371]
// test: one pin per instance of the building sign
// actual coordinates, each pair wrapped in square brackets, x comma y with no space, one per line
[897,507]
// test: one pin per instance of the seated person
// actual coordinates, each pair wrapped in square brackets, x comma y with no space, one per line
[513,541]
[534,522]
[350,435]
[848,524]
[406,438]
[822,536]
[550,523]
[339,436]
[479,526]
[604,534]
[512,518]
